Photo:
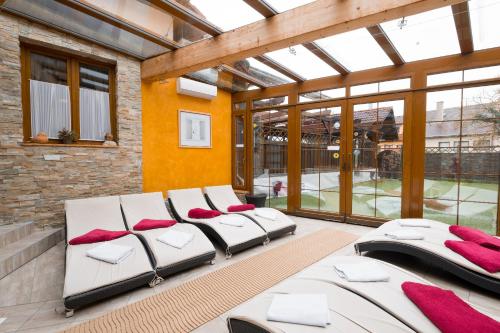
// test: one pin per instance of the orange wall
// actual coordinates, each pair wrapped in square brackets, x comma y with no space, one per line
[165,165]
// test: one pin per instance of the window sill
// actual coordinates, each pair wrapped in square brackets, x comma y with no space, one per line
[73,145]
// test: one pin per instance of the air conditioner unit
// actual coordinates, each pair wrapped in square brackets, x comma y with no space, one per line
[195,88]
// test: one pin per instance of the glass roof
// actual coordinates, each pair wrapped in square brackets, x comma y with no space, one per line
[351,50]
[426,35]
[303,62]
[265,73]
[227,14]
[484,15]
[53,13]
[283,5]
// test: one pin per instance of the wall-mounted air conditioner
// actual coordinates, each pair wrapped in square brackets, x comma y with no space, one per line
[195,88]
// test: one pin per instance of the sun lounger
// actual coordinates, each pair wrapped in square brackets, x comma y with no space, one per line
[232,238]
[221,197]
[354,306]
[89,280]
[169,259]
[431,249]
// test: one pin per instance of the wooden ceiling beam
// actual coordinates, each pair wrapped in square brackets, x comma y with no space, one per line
[242,76]
[183,13]
[385,43]
[119,22]
[280,68]
[326,57]
[315,20]
[461,17]
[262,7]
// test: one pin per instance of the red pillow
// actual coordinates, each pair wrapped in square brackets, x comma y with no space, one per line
[240,208]
[476,236]
[147,224]
[98,235]
[447,311]
[200,213]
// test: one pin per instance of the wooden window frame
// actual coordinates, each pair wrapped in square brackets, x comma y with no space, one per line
[73,62]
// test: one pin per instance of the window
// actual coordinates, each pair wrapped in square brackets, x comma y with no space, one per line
[457,144]
[444,144]
[239,151]
[474,74]
[383,86]
[61,91]
[271,101]
[321,94]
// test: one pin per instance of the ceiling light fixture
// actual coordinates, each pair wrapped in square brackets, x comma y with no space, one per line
[402,23]
[292,51]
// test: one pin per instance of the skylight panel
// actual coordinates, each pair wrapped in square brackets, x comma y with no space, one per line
[284,5]
[357,50]
[227,14]
[426,35]
[273,76]
[484,15]
[302,62]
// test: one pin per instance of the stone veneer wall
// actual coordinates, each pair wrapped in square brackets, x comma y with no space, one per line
[33,188]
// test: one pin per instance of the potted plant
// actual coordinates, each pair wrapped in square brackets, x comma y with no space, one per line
[66,136]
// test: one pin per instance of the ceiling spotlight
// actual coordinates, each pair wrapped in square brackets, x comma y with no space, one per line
[402,23]
[292,51]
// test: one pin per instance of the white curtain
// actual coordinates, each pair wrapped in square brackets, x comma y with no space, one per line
[94,114]
[50,108]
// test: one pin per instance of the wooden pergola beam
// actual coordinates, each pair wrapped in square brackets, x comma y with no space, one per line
[119,22]
[461,17]
[242,76]
[326,57]
[262,7]
[186,15]
[385,43]
[315,20]
[280,68]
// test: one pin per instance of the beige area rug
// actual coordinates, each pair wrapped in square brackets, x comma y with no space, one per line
[194,303]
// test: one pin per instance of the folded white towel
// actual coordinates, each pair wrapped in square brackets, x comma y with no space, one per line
[267,213]
[110,253]
[419,223]
[234,220]
[362,272]
[177,239]
[304,309]
[404,234]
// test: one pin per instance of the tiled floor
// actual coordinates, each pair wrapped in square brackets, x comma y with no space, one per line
[30,298]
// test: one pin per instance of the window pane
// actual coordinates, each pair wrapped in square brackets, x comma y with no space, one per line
[322,94]
[485,23]
[444,78]
[270,155]
[95,120]
[482,73]
[48,69]
[227,14]
[350,49]
[303,62]
[241,106]
[443,105]
[392,85]
[262,72]
[483,104]
[426,35]
[284,5]
[272,101]
[364,89]
[239,149]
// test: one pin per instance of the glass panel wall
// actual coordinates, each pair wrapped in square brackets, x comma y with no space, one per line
[377,159]
[320,159]
[270,156]
[462,156]
[239,151]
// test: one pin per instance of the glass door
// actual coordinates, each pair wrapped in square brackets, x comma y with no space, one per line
[374,171]
[321,160]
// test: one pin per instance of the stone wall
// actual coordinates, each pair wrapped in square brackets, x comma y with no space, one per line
[35,180]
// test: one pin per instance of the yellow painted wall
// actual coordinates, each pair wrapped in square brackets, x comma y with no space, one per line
[166,165]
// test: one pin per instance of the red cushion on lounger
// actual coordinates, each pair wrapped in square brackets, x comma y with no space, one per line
[147,224]
[98,235]
[482,256]
[200,213]
[476,236]
[240,208]
[447,311]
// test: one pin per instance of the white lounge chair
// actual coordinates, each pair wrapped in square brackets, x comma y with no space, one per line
[88,280]
[354,306]
[232,239]
[221,197]
[169,260]
[431,249]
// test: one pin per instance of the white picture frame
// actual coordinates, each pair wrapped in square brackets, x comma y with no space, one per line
[195,129]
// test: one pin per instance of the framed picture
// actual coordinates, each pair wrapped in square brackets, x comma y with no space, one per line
[195,129]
